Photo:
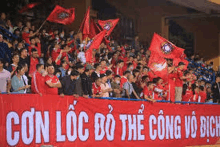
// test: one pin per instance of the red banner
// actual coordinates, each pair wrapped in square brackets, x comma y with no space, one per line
[68,121]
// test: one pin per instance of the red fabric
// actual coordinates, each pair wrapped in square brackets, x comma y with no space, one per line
[96,89]
[118,71]
[158,66]
[123,80]
[94,29]
[62,15]
[188,96]
[28,6]
[69,121]
[177,60]
[48,89]
[179,82]
[25,37]
[33,63]
[37,83]
[151,75]
[55,54]
[38,47]
[95,43]
[160,44]
[104,70]
[147,92]
[107,44]
[84,27]
[108,25]
[195,98]
[203,96]
[171,88]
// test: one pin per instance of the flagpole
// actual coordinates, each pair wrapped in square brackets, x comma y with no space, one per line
[42,24]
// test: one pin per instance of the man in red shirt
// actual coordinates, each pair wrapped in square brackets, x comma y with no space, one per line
[103,66]
[52,82]
[37,81]
[26,35]
[35,41]
[96,88]
[33,61]
[118,69]
[124,78]
[179,82]
[148,92]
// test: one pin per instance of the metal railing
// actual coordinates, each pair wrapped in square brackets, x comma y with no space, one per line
[132,99]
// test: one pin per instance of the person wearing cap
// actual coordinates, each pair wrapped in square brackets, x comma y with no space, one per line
[87,81]
[105,89]
[179,82]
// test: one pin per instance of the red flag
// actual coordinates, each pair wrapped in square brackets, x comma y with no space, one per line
[94,43]
[107,44]
[176,61]
[85,24]
[108,25]
[28,6]
[94,29]
[62,15]
[158,65]
[164,48]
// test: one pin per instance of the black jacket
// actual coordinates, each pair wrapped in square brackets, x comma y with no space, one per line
[68,86]
[86,84]
[215,91]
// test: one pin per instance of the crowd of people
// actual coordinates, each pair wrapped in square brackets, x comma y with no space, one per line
[53,62]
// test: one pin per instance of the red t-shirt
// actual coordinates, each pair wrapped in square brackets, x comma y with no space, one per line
[118,71]
[104,70]
[33,63]
[195,97]
[96,89]
[179,82]
[123,80]
[188,96]
[147,92]
[37,83]
[151,75]
[38,47]
[25,37]
[55,54]
[51,90]
[203,96]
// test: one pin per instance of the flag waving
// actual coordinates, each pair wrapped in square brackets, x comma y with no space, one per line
[28,6]
[85,25]
[94,29]
[62,15]
[164,48]
[108,25]
[94,43]
[158,65]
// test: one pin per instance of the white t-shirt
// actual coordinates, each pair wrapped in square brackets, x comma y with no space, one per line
[81,56]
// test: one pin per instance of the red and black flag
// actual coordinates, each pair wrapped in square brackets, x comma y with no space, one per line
[108,25]
[164,48]
[62,15]
[28,6]
[85,25]
[94,43]
[94,29]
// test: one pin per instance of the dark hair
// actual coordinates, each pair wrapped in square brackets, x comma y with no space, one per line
[49,65]
[74,73]
[117,76]
[19,67]
[33,50]
[1,60]
[185,86]
[129,64]
[96,79]
[194,87]
[62,61]
[96,65]
[127,72]
[80,66]
[135,71]
[144,78]
[108,72]
[38,66]
[15,54]
[149,83]
[21,50]
[201,88]
[120,61]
